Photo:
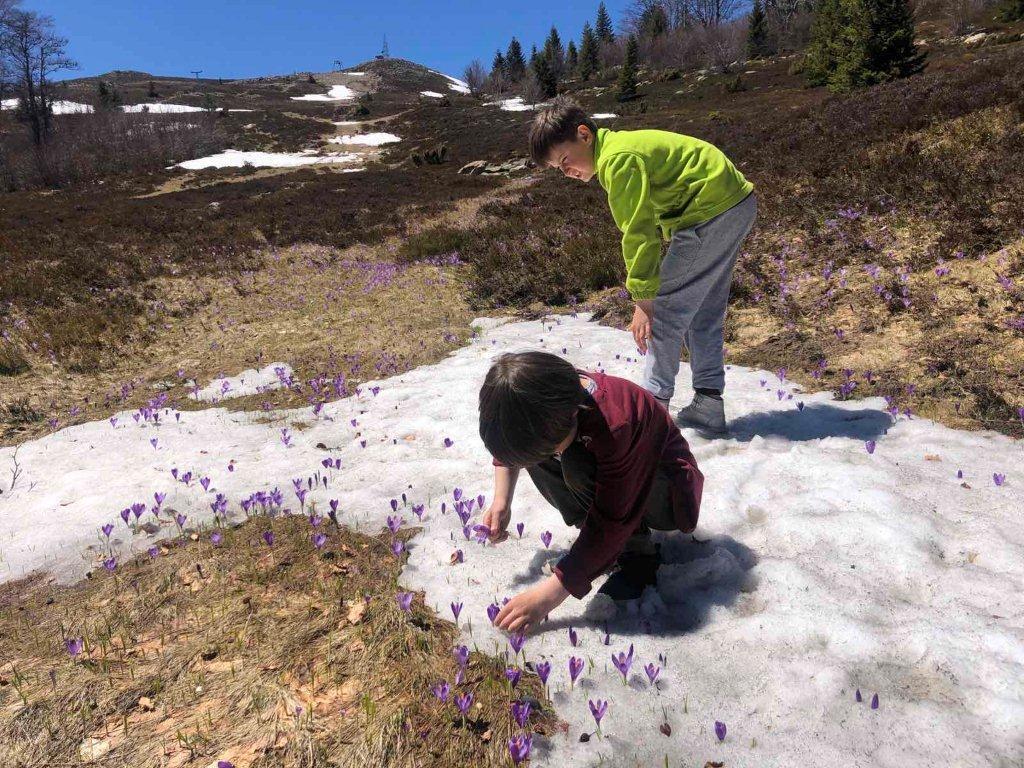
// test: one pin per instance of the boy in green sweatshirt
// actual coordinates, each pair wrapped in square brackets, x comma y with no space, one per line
[664,185]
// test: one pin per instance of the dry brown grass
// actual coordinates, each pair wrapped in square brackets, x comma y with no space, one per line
[261,656]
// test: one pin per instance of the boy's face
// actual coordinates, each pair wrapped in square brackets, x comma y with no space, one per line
[575,158]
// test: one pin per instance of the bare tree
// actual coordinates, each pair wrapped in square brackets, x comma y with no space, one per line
[475,76]
[34,52]
[713,13]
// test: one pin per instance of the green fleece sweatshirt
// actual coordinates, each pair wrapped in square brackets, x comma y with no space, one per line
[659,180]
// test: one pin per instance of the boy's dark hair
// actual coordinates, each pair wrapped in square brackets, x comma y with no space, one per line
[555,124]
[528,405]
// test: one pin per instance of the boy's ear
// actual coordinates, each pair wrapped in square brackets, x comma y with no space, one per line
[584,134]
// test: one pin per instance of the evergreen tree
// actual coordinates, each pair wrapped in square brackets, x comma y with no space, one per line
[515,64]
[861,42]
[627,76]
[588,61]
[498,68]
[555,53]
[653,21]
[757,33]
[891,52]
[572,57]
[151,93]
[1012,10]
[546,78]
[109,98]
[605,33]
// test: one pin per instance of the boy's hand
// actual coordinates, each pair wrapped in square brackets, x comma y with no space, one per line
[497,518]
[526,610]
[641,325]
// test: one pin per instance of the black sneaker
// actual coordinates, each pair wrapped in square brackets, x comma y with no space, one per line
[634,573]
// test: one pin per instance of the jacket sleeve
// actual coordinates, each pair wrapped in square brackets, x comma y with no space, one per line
[625,471]
[629,197]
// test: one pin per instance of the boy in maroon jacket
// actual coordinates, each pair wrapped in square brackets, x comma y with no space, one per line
[603,452]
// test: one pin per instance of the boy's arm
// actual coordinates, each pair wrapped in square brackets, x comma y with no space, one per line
[629,197]
[620,496]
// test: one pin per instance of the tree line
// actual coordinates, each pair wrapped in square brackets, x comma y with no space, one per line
[843,43]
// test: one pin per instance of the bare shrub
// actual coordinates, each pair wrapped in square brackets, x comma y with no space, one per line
[960,13]
[106,144]
[722,46]
[475,76]
[533,91]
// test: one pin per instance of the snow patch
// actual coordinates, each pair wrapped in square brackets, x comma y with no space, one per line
[248,382]
[233,158]
[432,94]
[515,104]
[604,116]
[58,107]
[366,139]
[817,568]
[337,93]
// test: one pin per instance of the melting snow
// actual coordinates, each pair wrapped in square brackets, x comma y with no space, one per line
[59,107]
[233,158]
[432,94]
[604,115]
[248,382]
[366,139]
[337,93]
[817,568]
[515,104]
[161,109]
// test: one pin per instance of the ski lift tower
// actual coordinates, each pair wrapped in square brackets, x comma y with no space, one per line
[384,50]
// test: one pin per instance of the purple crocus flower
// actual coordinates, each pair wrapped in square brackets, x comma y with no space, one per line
[74,645]
[573,637]
[463,701]
[870,446]
[395,523]
[480,499]
[456,493]
[598,709]
[575,667]
[519,529]
[720,730]
[874,701]
[110,563]
[107,529]
[519,748]
[417,509]
[405,601]
[268,537]
[180,519]
[216,538]
[959,474]
[448,443]
[458,557]
[857,695]
[546,538]
[521,712]
[513,674]
[482,533]
[205,482]
[125,514]
[153,551]
[652,672]
[442,690]
[517,641]
[394,505]
[319,539]
[397,547]
[800,405]
[543,669]
[456,610]
[998,478]
[623,661]
[153,441]
[225,764]
[461,654]
[492,611]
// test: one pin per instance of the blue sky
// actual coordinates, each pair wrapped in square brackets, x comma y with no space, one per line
[232,38]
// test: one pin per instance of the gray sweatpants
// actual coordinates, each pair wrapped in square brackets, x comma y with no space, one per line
[696,275]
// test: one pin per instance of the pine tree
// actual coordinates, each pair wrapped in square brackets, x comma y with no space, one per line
[572,57]
[546,78]
[498,68]
[891,52]
[861,42]
[588,61]
[109,98]
[605,33]
[757,33]
[555,53]
[627,76]
[515,64]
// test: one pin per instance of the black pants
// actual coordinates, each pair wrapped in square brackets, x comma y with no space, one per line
[568,485]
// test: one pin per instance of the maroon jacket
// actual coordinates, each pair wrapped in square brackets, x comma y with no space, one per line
[630,435]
